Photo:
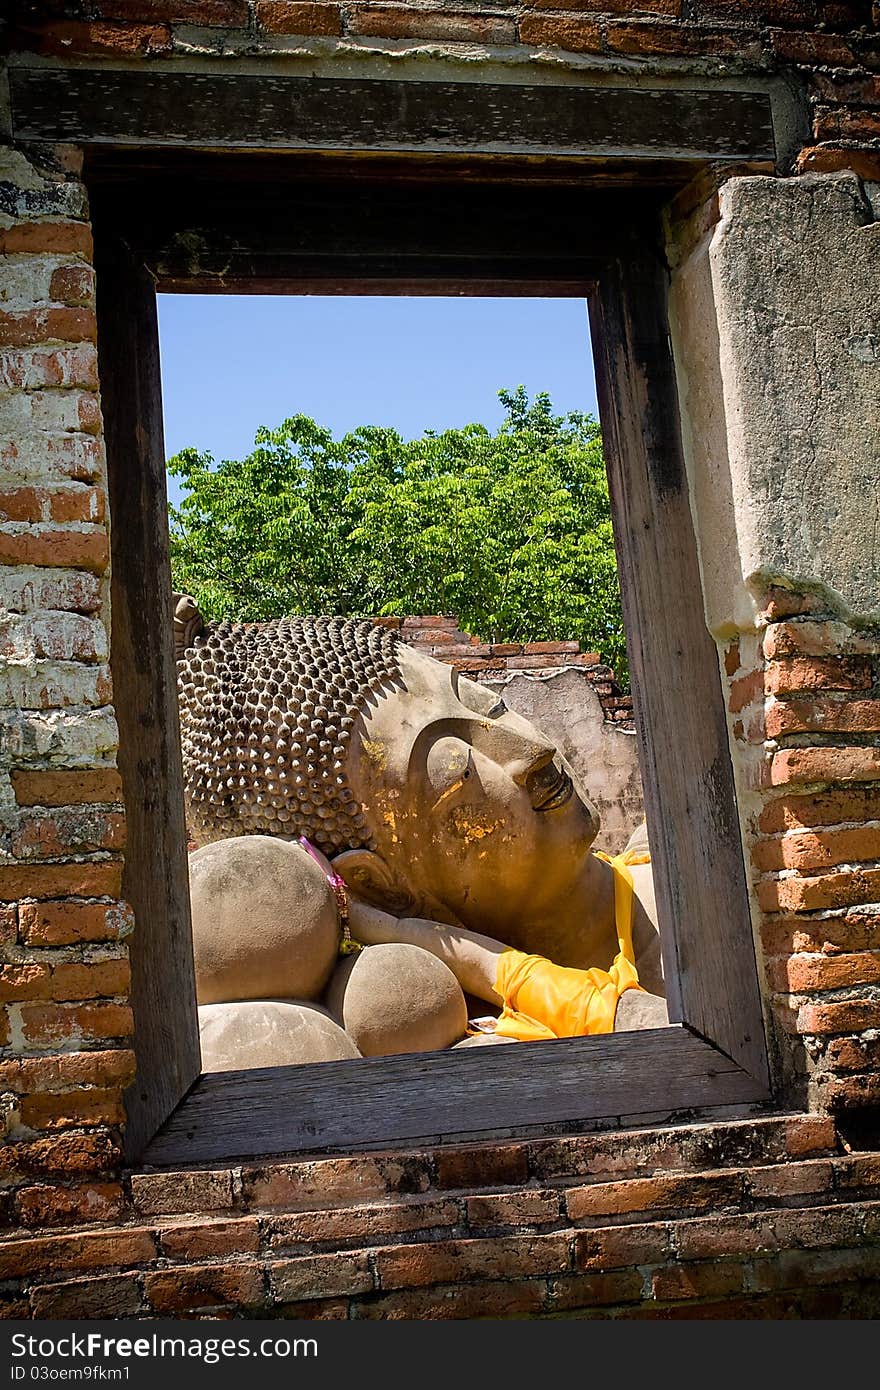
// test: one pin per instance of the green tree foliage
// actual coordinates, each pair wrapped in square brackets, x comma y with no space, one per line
[510,531]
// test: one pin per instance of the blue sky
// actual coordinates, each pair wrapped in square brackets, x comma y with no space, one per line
[233,362]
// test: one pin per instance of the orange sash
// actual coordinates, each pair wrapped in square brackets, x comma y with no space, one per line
[543,1000]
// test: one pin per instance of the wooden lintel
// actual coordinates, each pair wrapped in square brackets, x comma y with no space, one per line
[240,110]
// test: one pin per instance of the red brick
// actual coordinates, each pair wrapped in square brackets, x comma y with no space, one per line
[43,1205]
[54,238]
[505,648]
[45,325]
[818,673]
[46,1024]
[88,550]
[822,716]
[591,1291]
[84,1250]
[732,658]
[73,284]
[648,39]
[812,48]
[847,1016]
[298,17]
[231,14]
[363,1224]
[68,1069]
[32,369]
[852,1054]
[394,23]
[100,979]
[745,691]
[28,981]
[851,1092]
[825,159]
[62,1154]
[68,832]
[93,786]
[112,1296]
[526,1208]
[69,37]
[8,923]
[610,1247]
[62,504]
[811,894]
[551,31]
[65,923]
[800,13]
[168,1194]
[511,1298]
[825,765]
[863,1171]
[782,1180]
[180,1290]
[780,603]
[820,808]
[501,1165]
[333,1181]
[802,973]
[707,1280]
[209,1240]
[90,879]
[821,849]
[73,1109]
[320,1276]
[839,123]
[652,1194]
[452,1261]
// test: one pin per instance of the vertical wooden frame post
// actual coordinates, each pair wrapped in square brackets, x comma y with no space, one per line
[702,896]
[155,878]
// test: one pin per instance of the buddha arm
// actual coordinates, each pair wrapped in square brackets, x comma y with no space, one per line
[473,959]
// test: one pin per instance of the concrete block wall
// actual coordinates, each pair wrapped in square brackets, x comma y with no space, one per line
[697,1220]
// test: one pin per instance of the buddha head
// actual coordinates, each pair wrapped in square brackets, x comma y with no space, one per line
[432,798]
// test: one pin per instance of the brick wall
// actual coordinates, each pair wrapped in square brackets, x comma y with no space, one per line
[831,47]
[663,1224]
[441,636]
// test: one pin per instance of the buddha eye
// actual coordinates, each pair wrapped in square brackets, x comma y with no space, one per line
[448,766]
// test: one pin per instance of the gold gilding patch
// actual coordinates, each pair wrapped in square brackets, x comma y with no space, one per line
[376,753]
[470,823]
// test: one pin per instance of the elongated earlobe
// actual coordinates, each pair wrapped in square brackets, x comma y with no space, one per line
[370,878]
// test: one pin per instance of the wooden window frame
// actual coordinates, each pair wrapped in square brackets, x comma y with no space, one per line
[384,211]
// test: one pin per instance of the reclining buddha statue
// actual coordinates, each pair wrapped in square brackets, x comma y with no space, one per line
[441,819]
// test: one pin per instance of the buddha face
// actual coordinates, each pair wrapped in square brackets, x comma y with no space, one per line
[475,818]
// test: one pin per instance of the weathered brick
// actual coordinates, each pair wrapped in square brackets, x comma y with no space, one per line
[320,1276]
[73,830]
[334,1181]
[795,810]
[44,1025]
[783,717]
[73,285]
[64,1155]
[790,1179]
[65,923]
[363,1224]
[56,636]
[846,1016]
[817,673]
[845,123]
[745,691]
[47,325]
[801,973]
[83,1250]
[524,1208]
[8,923]
[228,13]
[91,879]
[707,1280]
[863,1171]
[111,1296]
[822,849]
[298,17]
[557,31]
[36,369]
[47,238]
[825,765]
[66,788]
[445,1262]
[67,1070]
[45,1205]
[75,503]
[852,1054]
[501,1165]
[691,1193]
[612,1247]
[826,159]
[210,1239]
[510,1298]
[390,22]
[68,37]
[168,1194]
[799,13]
[828,891]
[669,40]
[88,550]
[811,48]
[73,1109]
[811,638]
[182,1289]
[50,458]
